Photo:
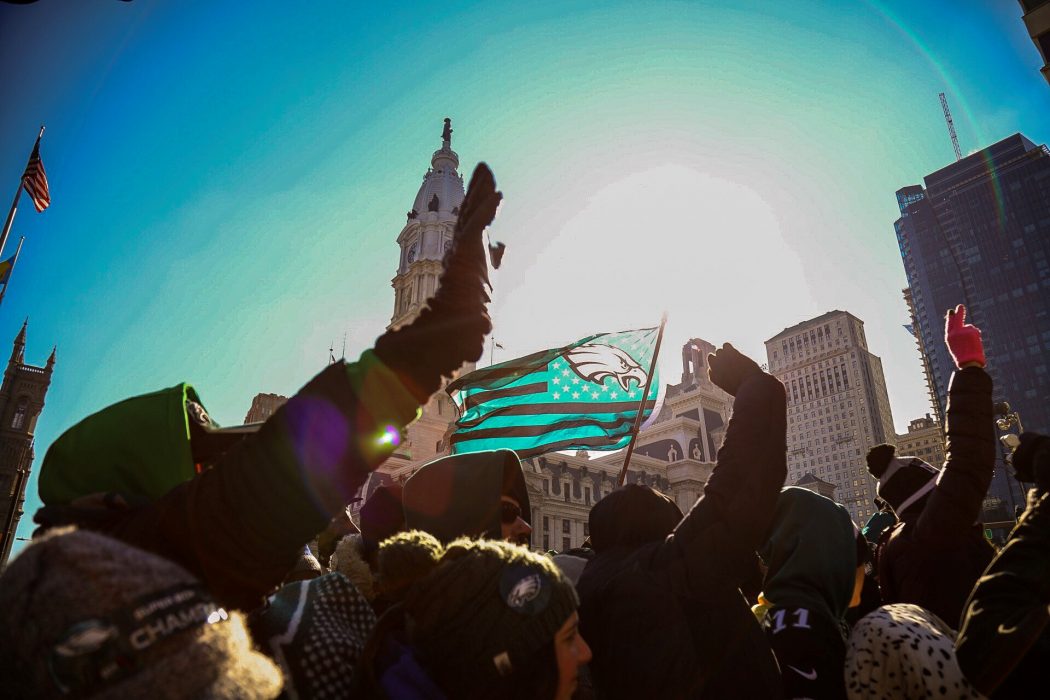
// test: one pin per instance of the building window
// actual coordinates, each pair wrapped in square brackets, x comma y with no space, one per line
[546,543]
[587,494]
[586,529]
[546,487]
[566,527]
[20,414]
[566,544]
[546,523]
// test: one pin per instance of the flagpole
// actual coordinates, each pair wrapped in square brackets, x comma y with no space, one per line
[12,270]
[641,404]
[18,193]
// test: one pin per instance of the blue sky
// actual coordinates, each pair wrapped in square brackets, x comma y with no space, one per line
[228,183]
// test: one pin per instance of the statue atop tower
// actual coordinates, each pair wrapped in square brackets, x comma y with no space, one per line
[446,134]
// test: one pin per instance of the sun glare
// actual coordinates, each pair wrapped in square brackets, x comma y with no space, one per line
[706,250]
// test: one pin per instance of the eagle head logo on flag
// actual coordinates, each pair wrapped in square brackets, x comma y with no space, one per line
[595,362]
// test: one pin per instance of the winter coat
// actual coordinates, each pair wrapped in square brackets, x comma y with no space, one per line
[1004,643]
[812,563]
[666,619]
[811,554]
[934,556]
[241,526]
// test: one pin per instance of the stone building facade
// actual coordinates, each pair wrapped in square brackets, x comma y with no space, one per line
[264,406]
[838,405]
[21,401]
[924,439]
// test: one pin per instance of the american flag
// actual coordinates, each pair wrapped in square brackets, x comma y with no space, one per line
[34,180]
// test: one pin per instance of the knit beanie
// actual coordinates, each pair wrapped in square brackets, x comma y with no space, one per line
[88,616]
[404,559]
[484,613]
[631,516]
[903,481]
[316,630]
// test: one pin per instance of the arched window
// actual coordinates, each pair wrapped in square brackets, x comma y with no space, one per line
[20,414]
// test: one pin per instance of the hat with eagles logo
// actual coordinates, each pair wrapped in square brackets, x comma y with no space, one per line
[89,616]
[484,613]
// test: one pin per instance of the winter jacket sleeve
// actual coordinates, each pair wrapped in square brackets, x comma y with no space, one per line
[241,525]
[1005,625]
[955,504]
[732,519]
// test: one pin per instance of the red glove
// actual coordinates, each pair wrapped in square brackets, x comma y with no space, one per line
[963,339]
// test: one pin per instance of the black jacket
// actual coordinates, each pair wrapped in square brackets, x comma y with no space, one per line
[667,619]
[1004,644]
[241,526]
[934,556]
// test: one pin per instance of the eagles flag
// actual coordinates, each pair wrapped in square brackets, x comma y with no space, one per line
[584,395]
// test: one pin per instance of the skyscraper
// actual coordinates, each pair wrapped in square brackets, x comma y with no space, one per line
[1037,21]
[978,233]
[838,406]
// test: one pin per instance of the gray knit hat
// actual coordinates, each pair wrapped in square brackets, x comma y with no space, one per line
[88,616]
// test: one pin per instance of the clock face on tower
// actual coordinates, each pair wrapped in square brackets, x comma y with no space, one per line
[411,256]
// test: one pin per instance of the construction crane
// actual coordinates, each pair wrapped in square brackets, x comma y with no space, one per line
[951,127]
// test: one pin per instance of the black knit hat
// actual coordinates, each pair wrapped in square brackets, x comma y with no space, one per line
[382,515]
[903,481]
[485,612]
[631,516]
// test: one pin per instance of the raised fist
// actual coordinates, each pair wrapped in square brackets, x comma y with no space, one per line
[451,330]
[963,339]
[728,368]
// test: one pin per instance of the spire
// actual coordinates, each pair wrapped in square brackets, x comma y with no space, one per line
[51,358]
[18,352]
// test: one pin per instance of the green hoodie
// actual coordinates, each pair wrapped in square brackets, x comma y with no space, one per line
[139,448]
[811,554]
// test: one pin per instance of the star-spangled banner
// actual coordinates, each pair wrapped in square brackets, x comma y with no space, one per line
[584,395]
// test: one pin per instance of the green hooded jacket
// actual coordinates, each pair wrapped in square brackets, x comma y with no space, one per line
[811,554]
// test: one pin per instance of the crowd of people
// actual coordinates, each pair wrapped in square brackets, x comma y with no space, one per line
[172,558]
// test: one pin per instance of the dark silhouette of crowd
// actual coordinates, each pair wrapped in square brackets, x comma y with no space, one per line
[173,558]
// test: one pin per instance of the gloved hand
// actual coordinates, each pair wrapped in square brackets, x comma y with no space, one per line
[452,329]
[728,368]
[963,339]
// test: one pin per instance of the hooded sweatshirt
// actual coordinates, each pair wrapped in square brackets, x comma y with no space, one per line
[459,495]
[811,555]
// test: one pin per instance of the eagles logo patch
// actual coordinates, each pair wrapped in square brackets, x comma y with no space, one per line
[525,590]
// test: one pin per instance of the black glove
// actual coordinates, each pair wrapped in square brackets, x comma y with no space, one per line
[452,329]
[728,368]
[1031,459]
